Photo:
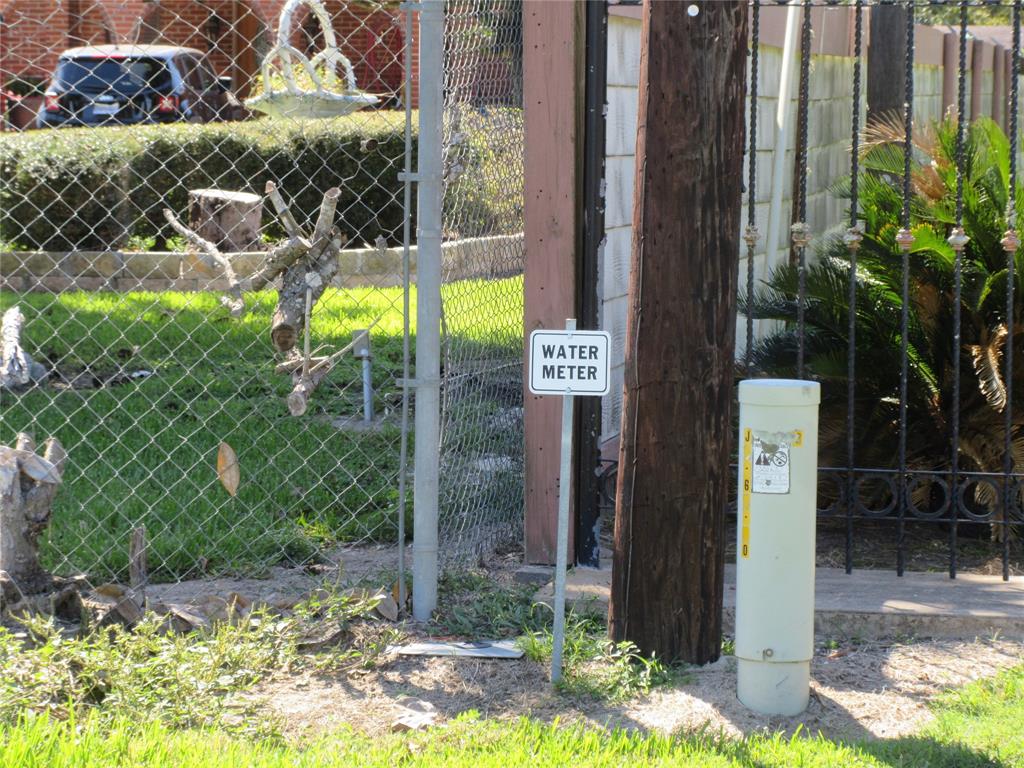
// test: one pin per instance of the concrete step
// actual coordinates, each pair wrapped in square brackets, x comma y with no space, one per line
[866,604]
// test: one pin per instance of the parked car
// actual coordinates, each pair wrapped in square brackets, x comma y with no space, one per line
[123,85]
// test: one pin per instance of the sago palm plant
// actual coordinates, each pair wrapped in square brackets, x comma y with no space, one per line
[930,380]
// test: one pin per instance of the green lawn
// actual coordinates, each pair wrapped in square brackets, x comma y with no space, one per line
[979,726]
[144,451]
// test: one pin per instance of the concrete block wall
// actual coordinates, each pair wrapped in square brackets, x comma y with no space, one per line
[620,151]
[50,271]
[928,93]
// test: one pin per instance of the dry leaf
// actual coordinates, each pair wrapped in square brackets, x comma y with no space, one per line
[227,468]
[387,607]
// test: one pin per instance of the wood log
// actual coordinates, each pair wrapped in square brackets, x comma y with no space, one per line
[230,220]
[304,386]
[17,368]
[28,483]
[314,272]
[307,372]
[234,303]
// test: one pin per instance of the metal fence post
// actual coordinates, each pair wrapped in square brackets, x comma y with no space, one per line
[428,312]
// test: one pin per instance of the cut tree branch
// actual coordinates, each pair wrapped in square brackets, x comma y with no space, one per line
[236,304]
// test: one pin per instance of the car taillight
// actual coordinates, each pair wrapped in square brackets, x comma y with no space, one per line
[167,104]
[52,102]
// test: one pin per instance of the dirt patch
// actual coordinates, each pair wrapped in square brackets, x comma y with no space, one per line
[864,690]
[875,690]
[868,691]
[282,587]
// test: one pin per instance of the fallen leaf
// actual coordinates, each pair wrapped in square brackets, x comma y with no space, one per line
[227,468]
[418,716]
[387,607]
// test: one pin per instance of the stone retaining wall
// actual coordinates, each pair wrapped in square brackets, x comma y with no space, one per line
[54,272]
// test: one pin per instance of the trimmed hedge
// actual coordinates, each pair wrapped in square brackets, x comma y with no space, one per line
[94,188]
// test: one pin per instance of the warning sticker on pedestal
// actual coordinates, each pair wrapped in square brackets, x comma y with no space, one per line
[770,462]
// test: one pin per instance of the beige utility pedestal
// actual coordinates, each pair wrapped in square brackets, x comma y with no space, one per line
[775,546]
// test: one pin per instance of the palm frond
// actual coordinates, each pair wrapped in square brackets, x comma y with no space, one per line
[987,358]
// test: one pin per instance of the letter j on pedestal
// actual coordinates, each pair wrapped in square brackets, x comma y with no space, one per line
[778,482]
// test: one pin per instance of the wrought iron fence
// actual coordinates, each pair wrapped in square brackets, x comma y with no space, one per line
[906,312]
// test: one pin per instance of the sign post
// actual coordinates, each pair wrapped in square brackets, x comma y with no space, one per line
[566,363]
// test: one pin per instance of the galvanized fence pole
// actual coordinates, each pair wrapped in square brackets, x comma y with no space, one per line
[428,311]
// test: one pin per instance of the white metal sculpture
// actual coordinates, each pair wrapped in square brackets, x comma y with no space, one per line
[330,97]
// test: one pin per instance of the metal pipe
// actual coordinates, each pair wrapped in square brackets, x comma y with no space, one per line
[428,312]
[367,389]
[403,460]
[361,339]
[3,90]
[562,542]
[790,50]
[588,451]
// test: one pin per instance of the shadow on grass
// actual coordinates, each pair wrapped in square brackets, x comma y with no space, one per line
[919,752]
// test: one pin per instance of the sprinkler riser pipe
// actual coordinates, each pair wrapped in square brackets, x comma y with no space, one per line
[367,390]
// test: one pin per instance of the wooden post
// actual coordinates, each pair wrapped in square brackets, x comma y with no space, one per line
[245,31]
[886,51]
[674,477]
[998,85]
[138,569]
[950,57]
[977,63]
[553,34]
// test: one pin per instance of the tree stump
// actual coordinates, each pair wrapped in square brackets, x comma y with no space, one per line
[28,483]
[229,220]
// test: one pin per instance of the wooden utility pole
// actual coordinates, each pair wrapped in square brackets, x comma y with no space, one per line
[886,51]
[676,417]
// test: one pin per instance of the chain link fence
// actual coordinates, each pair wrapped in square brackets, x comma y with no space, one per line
[481,496]
[171,350]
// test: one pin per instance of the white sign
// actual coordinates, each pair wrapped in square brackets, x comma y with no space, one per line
[569,362]
[770,460]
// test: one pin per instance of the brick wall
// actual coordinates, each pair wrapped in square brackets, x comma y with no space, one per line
[33,32]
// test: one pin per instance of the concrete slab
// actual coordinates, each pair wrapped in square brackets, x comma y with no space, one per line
[534,574]
[867,604]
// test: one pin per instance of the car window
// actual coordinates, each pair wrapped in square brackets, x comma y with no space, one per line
[185,67]
[98,74]
[195,73]
[206,76]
